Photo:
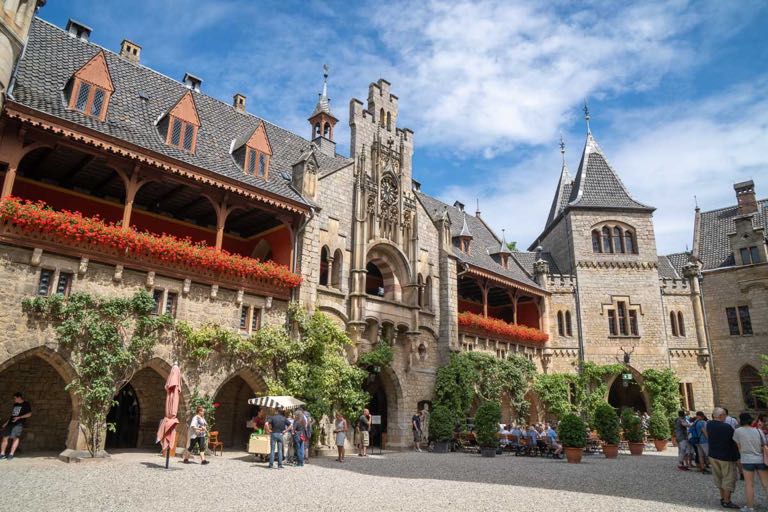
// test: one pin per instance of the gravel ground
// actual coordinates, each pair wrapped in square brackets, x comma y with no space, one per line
[393,481]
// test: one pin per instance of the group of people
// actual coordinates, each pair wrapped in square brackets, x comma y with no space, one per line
[728,447]
[541,437]
[289,436]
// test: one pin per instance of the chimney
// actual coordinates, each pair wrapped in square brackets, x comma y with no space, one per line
[459,205]
[238,101]
[78,30]
[130,51]
[192,82]
[745,195]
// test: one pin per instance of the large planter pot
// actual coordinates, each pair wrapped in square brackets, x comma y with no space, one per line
[611,451]
[441,447]
[636,448]
[573,455]
[488,452]
[660,444]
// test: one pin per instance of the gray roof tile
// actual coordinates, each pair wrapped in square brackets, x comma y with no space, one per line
[714,247]
[52,57]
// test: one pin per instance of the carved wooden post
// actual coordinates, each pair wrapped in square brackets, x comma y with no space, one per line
[483,284]
[132,184]
[222,210]
[12,151]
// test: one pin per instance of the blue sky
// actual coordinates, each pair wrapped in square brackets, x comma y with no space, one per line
[677,90]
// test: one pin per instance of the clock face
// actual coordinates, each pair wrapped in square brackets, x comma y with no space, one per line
[388,191]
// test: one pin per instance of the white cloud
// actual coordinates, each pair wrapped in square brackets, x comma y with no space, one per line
[664,156]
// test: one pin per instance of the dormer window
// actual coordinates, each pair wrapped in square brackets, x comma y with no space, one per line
[180,125]
[90,88]
[252,152]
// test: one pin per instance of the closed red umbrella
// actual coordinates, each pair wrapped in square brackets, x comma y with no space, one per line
[167,429]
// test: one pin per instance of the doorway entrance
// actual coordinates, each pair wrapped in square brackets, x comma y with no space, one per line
[125,415]
[377,405]
[626,393]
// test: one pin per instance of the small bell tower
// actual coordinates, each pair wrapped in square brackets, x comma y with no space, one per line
[322,121]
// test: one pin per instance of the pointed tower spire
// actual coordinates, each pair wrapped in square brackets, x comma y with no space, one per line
[563,191]
[586,115]
[322,120]
[464,228]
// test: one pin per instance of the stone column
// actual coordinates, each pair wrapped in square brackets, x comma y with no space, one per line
[691,272]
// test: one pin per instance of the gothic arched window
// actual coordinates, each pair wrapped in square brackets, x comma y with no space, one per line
[324,257]
[680,323]
[673,323]
[560,326]
[629,242]
[596,241]
[428,293]
[607,247]
[568,329]
[618,240]
[751,379]
[336,269]
[389,121]
[420,295]
[382,119]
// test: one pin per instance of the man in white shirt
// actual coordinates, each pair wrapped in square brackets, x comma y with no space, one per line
[733,422]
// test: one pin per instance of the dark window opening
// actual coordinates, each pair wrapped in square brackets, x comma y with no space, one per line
[324,256]
[568,330]
[244,318]
[733,321]
[744,319]
[374,280]
[44,285]
[171,300]
[680,323]
[157,295]
[64,283]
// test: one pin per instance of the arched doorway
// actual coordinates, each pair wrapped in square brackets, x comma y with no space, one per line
[125,415]
[44,388]
[626,393]
[378,406]
[233,412]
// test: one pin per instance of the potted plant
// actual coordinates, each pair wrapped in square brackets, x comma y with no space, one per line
[633,433]
[441,428]
[487,428]
[573,435]
[608,428]
[658,429]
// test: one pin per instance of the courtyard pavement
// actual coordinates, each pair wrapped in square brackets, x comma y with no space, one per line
[393,481]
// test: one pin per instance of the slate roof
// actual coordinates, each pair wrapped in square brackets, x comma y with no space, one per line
[714,248]
[484,242]
[52,57]
[562,194]
[667,268]
[526,259]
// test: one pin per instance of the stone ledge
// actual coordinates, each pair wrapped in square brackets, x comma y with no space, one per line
[70,456]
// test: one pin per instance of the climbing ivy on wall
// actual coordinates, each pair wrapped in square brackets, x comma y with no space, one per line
[108,340]
[471,375]
[664,388]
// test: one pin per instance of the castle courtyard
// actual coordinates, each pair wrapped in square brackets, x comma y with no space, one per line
[392,481]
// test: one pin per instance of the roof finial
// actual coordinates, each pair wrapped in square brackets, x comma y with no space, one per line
[586,115]
[696,201]
[477,210]
[562,147]
[326,69]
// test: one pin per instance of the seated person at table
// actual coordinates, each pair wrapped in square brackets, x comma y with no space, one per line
[552,439]
[532,436]
[503,433]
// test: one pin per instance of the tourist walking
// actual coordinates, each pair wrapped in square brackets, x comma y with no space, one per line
[416,428]
[681,435]
[276,425]
[751,441]
[364,426]
[340,429]
[723,454]
[14,425]
[309,426]
[299,436]
[699,432]
[198,431]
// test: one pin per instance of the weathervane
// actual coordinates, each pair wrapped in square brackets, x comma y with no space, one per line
[562,147]
[586,115]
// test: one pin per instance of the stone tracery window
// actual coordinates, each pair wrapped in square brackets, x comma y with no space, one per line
[622,318]
[613,239]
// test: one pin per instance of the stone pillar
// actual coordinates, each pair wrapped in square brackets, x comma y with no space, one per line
[691,272]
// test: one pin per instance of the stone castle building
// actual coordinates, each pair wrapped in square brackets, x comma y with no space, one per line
[88,129]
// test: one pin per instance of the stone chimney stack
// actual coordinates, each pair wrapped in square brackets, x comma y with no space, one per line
[78,30]
[745,195]
[130,51]
[238,101]
[192,82]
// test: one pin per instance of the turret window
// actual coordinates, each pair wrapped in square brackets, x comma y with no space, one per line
[613,240]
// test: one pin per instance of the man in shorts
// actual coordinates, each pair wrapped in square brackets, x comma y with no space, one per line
[723,454]
[416,428]
[364,426]
[14,426]
[681,435]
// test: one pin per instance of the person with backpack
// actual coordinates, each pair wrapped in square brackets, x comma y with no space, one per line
[681,435]
[700,443]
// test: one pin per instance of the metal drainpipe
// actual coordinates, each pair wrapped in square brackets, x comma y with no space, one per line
[296,245]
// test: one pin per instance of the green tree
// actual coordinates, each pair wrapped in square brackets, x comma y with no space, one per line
[487,421]
[761,392]
[108,340]
[512,246]
[663,386]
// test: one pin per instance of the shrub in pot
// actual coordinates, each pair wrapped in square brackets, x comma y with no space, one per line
[658,429]
[487,421]
[572,432]
[608,428]
[441,428]
[633,433]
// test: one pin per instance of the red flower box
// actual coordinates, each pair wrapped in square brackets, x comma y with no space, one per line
[496,327]
[76,230]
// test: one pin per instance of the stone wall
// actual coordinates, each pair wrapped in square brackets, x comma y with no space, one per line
[731,287]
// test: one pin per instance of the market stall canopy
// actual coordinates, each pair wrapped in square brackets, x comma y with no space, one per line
[276,402]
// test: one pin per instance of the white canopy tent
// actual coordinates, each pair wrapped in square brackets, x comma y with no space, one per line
[277,402]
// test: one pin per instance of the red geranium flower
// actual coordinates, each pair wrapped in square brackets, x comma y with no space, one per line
[500,328]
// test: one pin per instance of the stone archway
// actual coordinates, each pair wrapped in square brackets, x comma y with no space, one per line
[42,383]
[388,274]
[233,411]
[143,395]
[387,401]
[626,393]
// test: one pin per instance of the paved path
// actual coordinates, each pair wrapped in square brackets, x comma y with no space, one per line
[394,481]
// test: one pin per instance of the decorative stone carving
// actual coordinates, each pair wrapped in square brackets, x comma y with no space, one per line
[187,286]
[37,255]
[214,291]
[239,299]
[118,273]
[150,279]
[82,268]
